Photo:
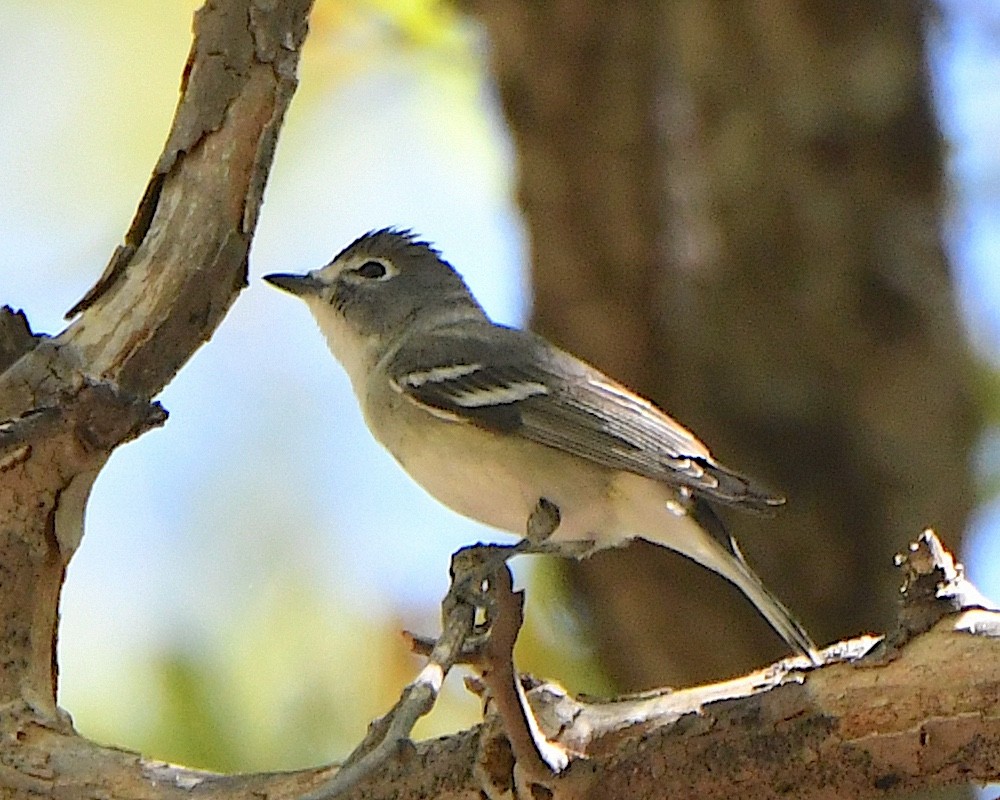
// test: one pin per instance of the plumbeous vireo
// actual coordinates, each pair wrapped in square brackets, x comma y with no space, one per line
[493,420]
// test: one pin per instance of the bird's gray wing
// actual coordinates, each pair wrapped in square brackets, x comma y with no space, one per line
[514,383]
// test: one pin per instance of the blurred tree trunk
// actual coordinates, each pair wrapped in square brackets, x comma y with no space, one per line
[734,207]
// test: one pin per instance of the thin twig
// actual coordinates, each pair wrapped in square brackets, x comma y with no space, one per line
[387,735]
[471,569]
[533,752]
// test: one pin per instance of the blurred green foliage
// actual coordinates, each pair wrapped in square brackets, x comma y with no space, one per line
[293,681]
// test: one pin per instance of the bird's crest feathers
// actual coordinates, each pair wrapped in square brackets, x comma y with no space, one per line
[389,243]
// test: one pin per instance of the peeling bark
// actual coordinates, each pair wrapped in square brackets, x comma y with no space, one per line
[925,715]
[68,401]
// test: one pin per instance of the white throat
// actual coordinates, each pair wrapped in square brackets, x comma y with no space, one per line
[356,354]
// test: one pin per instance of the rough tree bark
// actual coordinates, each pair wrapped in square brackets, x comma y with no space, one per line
[734,208]
[68,401]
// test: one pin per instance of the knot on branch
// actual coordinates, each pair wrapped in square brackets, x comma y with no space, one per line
[109,416]
[934,585]
[16,337]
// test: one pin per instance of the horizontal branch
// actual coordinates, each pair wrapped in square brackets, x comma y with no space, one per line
[920,713]
[929,717]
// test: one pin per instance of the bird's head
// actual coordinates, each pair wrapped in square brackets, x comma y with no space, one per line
[380,285]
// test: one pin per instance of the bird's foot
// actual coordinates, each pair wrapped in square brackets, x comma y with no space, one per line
[542,522]
[481,561]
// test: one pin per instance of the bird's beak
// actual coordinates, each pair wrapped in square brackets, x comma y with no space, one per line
[299,285]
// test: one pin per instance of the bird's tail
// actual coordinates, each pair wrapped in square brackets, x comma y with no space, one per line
[730,563]
[770,607]
[693,529]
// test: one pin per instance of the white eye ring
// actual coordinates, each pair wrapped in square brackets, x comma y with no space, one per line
[373,269]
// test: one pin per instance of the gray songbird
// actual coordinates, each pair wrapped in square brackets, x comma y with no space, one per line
[492,420]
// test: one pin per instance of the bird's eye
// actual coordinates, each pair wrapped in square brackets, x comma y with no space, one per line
[372,270]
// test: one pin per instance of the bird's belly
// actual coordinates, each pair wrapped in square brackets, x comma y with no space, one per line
[490,493]
[498,480]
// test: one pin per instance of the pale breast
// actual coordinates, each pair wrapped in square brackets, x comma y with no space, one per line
[494,478]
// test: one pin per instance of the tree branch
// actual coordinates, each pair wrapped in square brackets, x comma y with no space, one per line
[388,735]
[67,402]
[185,255]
